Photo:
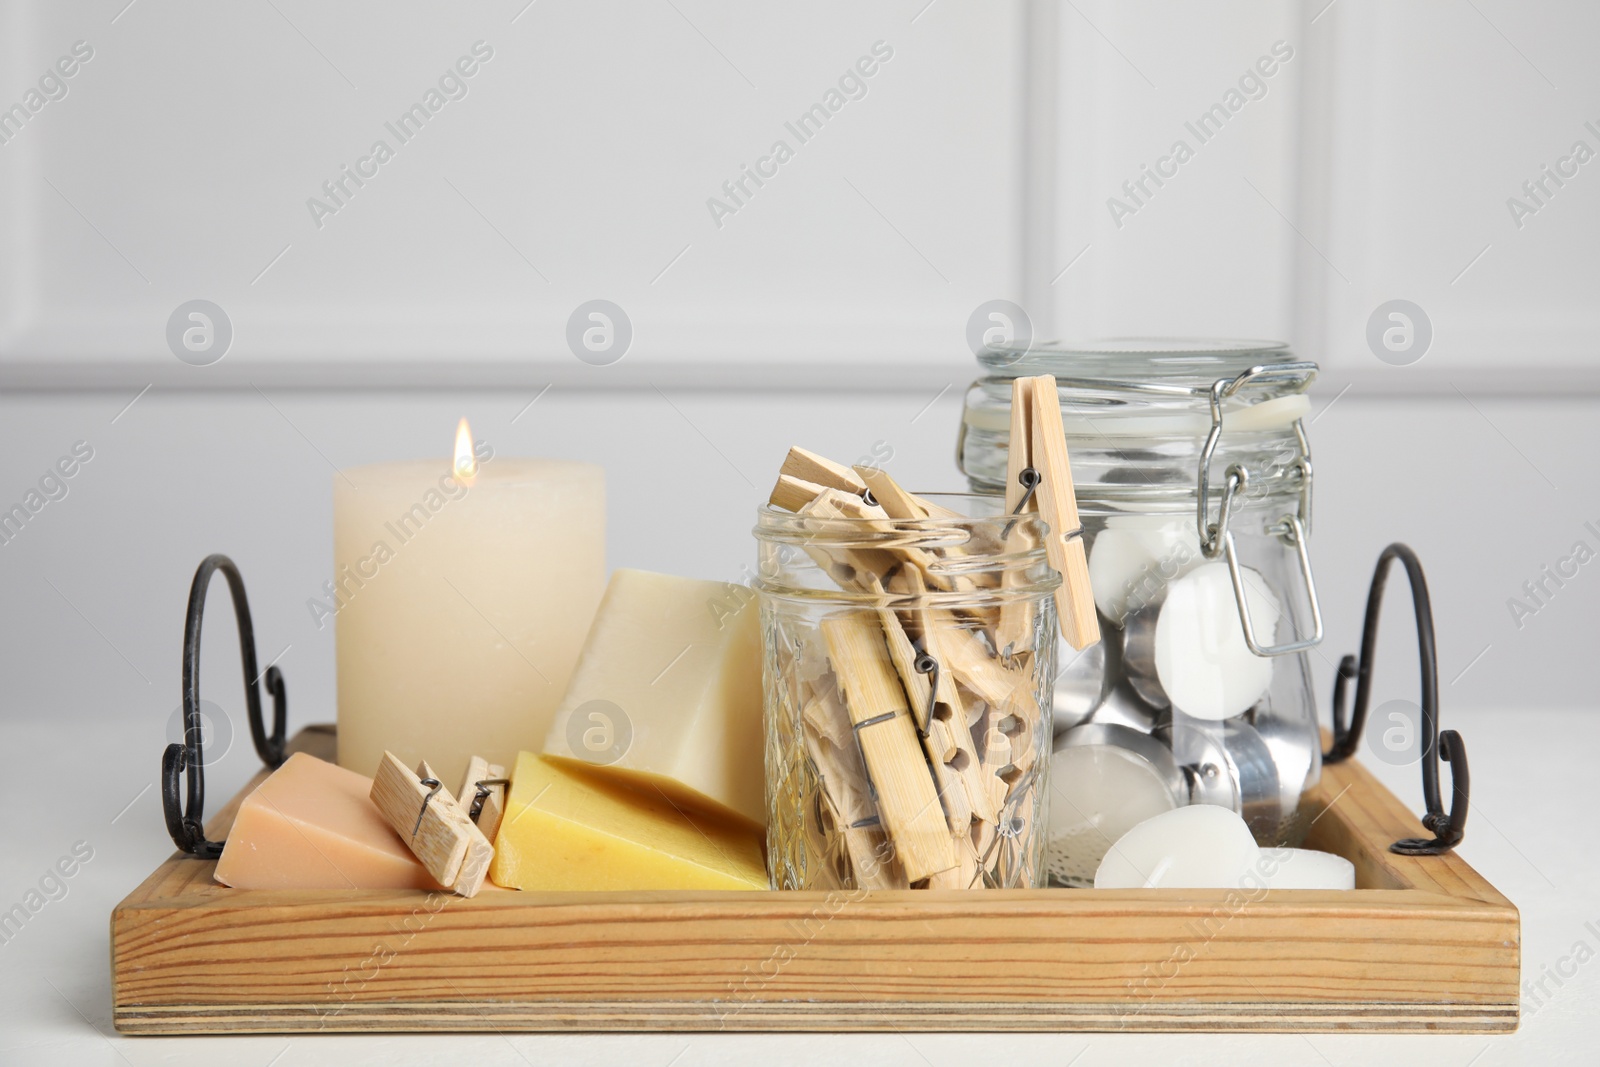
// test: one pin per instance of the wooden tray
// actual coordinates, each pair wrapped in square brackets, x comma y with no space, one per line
[1424,944]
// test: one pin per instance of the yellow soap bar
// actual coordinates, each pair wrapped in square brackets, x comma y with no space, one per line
[567,828]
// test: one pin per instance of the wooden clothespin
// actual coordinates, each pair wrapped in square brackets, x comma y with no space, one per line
[433,825]
[881,718]
[793,494]
[942,725]
[896,502]
[809,484]
[806,466]
[852,568]
[1039,479]
[805,474]
[483,795]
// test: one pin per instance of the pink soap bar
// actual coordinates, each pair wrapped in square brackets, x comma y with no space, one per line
[311,825]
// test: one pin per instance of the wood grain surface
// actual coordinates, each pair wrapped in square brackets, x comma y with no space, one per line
[1422,944]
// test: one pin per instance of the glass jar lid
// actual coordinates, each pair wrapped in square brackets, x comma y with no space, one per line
[1138,413]
[1187,363]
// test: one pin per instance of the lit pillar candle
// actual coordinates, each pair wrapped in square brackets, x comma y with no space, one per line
[462,592]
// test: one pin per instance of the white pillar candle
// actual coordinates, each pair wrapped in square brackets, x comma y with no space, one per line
[1303,868]
[462,592]
[1201,658]
[1198,847]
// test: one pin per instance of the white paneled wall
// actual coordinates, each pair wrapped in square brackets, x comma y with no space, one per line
[1350,154]
[1170,219]
[94,586]
[609,150]
[1423,122]
[982,159]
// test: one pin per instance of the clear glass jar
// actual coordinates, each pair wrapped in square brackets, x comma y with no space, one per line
[902,750]
[1193,478]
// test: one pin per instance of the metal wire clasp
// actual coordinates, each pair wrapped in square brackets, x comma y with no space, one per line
[1216,539]
[435,785]
[927,663]
[483,787]
[872,787]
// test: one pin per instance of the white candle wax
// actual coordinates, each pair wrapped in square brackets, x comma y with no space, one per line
[1201,658]
[461,605]
[1303,868]
[1198,847]
[1097,794]
[1134,557]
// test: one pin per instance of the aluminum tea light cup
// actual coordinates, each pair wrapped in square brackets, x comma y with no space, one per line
[1085,680]
[1296,751]
[1228,764]
[1138,639]
[1186,647]
[1105,778]
[1123,707]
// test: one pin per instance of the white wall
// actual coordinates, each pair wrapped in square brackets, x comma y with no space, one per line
[1374,162]
[830,310]
[578,164]
[95,585]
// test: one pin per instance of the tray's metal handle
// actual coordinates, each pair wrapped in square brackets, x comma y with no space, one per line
[1448,829]
[186,818]
[1216,539]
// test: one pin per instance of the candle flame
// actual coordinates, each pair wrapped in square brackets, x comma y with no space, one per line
[466,464]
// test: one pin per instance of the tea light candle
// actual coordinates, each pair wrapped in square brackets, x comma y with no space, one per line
[1205,667]
[1104,780]
[1303,868]
[1198,847]
[461,595]
[1133,559]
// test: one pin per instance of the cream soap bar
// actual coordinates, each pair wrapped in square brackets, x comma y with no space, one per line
[567,827]
[668,690]
[310,825]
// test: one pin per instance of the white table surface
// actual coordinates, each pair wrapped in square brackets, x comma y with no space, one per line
[1529,833]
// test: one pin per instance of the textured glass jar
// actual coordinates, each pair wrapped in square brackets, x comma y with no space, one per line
[901,750]
[1193,480]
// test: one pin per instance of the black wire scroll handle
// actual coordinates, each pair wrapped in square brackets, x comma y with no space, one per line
[1448,829]
[185,822]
